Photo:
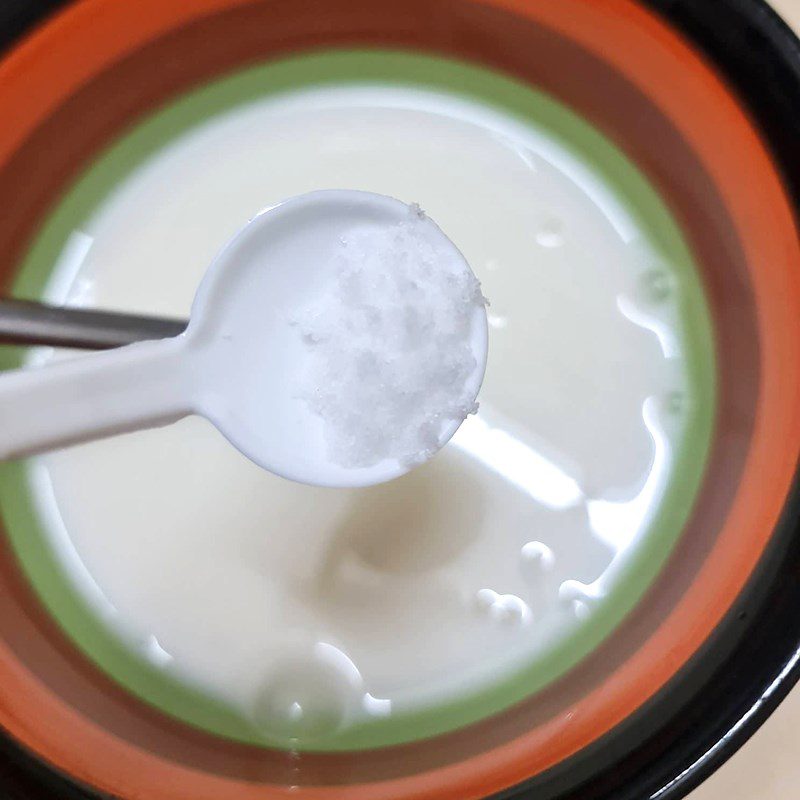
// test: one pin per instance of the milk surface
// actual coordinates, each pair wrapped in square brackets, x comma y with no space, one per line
[314,610]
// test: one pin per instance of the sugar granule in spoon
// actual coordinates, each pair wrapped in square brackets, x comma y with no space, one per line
[390,358]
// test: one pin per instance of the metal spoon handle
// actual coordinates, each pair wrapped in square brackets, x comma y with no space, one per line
[23,322]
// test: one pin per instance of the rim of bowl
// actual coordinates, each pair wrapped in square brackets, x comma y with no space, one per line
[768,670]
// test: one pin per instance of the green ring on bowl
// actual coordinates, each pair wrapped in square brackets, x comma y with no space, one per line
[631,188]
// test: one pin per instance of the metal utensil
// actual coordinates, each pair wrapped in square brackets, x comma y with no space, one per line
[23,322]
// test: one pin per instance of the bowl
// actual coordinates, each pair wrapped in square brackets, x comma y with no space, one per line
[703,101]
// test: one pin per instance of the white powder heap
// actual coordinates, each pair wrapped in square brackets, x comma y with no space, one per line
[390,360]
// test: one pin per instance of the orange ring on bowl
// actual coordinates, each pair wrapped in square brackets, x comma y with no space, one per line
[760,251]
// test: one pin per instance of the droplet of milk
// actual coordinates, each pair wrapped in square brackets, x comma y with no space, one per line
[549,232]
[377,706]
[503,608]
[537,558]
[578,598]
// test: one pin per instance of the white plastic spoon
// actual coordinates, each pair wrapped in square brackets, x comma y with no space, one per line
[238,362]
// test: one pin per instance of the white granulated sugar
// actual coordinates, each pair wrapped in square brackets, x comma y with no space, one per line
[389,344]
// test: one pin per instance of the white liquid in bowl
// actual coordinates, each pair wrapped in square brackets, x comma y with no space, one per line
[315,610]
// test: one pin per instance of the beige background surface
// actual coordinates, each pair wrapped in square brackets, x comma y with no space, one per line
[768,766]
[790,10]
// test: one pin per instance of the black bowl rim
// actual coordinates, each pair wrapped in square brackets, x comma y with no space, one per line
[727,691]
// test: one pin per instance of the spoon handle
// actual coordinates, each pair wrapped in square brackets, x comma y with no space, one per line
[24,322]
[140,386]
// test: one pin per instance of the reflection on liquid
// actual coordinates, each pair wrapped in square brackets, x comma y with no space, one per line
[517,462]
[155,653]
[408,526]
[618,524]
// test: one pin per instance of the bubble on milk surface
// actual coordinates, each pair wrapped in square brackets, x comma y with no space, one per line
[504,609]
[309,694]
[390,356]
